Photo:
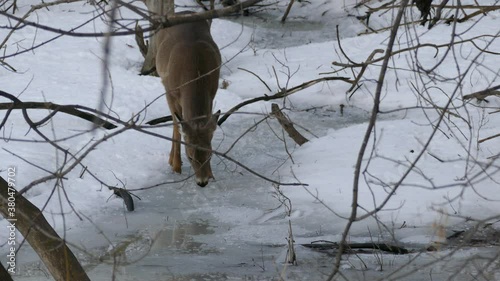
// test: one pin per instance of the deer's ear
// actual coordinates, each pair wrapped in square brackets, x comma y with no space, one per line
[179,118]
[216,116]
[212,122]
[186,128]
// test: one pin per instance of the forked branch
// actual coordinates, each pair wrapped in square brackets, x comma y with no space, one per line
[68,109]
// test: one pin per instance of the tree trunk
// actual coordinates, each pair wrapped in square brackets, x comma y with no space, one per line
[51,249]
[4,275]
[156,9]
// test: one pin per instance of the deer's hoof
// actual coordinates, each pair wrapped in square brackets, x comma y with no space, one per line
[177,170]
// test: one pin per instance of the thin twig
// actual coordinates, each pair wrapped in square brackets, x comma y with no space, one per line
[258,77]
[366,138]
[489,138]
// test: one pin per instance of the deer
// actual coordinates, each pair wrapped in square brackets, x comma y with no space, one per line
[188,62]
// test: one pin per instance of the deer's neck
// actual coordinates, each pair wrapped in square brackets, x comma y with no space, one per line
[196,105]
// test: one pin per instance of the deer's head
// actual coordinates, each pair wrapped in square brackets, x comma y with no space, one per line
[198,136]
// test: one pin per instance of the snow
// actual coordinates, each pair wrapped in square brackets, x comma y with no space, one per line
[235,228]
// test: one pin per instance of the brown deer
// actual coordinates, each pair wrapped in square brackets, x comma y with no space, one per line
[188,62]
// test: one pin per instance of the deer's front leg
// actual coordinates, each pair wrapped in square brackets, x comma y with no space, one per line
[175,151]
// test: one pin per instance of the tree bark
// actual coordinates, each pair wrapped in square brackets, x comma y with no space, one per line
[52,250]
[4,275]
[156,8]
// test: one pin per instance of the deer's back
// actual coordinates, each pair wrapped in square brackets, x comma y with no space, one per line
[186,52]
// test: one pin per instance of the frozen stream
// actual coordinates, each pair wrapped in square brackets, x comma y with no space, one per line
[236,227]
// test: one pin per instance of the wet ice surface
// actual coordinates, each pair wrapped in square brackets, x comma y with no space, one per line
[270,35]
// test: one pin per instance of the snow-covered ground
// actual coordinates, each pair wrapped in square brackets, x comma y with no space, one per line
[236,227]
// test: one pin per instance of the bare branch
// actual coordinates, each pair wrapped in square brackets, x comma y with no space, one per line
[4,274]
[165,21]
[281,94]
[61,262]
[287,11]
[481,95]
[288,125]
[489,138]
[68,109]
[258,77]
[366,138]
[327,245]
